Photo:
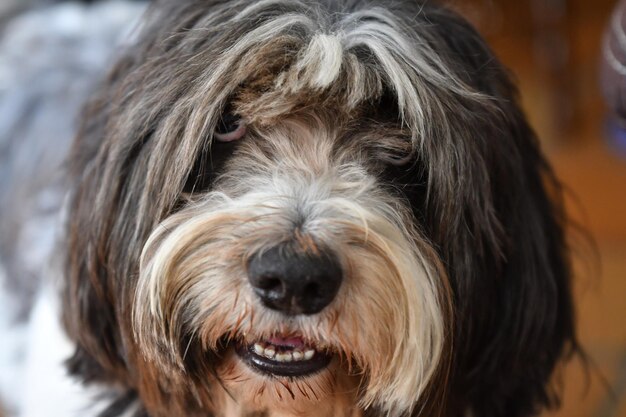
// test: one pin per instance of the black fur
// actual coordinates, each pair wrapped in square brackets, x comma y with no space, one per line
[490,204]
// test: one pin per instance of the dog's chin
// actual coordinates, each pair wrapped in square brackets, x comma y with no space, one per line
[288,373]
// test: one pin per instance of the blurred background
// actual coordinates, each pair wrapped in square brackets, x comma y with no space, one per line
[553,48]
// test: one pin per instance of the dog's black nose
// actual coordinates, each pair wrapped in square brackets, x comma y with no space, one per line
[294,282]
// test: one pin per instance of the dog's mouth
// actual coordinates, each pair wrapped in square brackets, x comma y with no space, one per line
[284,356]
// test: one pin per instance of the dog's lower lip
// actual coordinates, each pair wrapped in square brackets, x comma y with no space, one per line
[293,359]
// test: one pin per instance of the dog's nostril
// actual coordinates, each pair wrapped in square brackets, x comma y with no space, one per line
[294,282]
[270,284]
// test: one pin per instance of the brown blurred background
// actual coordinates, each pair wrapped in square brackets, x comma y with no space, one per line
[553,48]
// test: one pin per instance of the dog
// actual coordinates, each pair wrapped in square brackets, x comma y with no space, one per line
[324,209]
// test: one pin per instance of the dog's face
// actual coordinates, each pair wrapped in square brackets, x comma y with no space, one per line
[324,210]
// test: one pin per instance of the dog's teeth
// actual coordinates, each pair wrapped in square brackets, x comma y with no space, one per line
[284,354]
[269,351]
[283,357]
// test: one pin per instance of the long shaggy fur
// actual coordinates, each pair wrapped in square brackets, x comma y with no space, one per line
[384,131]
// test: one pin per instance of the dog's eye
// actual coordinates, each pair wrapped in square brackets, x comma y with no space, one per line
[230,128]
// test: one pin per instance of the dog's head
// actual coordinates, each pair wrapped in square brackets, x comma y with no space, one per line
[330,207]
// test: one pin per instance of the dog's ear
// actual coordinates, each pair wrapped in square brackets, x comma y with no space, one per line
[90,315]
[123,188]
[106,170]
[504,245]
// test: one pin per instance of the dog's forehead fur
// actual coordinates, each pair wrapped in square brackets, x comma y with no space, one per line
[277,57]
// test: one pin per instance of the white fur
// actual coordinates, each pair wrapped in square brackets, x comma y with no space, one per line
[323,57]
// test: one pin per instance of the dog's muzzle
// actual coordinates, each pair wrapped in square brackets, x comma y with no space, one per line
[292,282]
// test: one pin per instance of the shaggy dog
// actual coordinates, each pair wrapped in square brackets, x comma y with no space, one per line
[314,209]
